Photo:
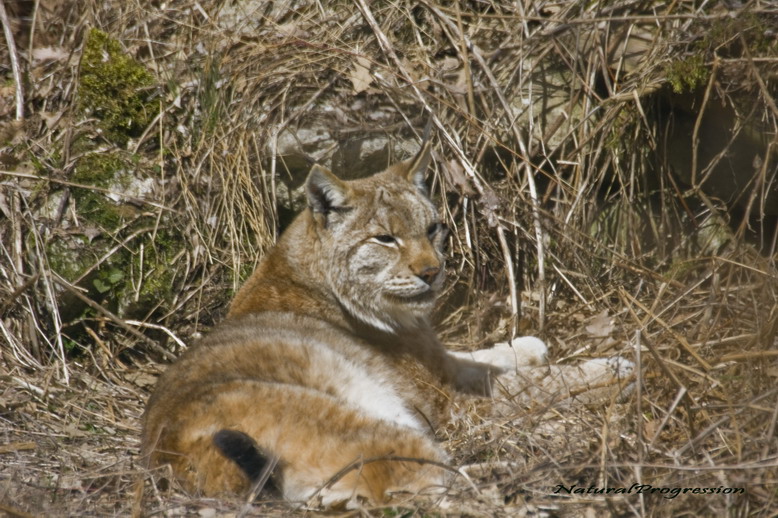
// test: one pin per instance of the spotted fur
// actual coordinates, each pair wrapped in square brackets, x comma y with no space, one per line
[327,358]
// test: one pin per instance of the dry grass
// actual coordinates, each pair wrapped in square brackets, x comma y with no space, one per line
[555,156]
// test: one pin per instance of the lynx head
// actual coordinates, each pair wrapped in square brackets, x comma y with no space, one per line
[380,242]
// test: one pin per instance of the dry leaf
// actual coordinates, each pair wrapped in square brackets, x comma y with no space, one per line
[10,131]
[51,118]
[460,86]
[74,431]
[448,63]
[601,325]
[49,54]
[650,428]
[455,174]
[143,379]
[292,30]
[68,483]
[360,76]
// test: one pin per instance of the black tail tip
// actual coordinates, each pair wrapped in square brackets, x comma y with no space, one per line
[245,452]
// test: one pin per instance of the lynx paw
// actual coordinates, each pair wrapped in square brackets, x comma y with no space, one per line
[521,352]
[607,369]
[600,377]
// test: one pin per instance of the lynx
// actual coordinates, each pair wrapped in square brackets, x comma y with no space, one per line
[326,376]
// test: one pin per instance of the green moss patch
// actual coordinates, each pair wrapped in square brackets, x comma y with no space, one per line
[729,38]
[101,170]
[686,75]
[155,268]
[115,88]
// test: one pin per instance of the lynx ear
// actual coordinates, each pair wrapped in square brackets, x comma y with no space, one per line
[326,192]
[415,169]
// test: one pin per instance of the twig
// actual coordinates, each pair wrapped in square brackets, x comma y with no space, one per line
[13,512]
[466,64]
[511,279]
[770,434]
[656,318]
[94,188]
[641,444]
[698,122]
[359,463]
[17,446]
[259,485]
[668,413]
[29,386]
[749,355]
[17,73]
[18,291]
[539,237]
[115,319]
[33,23]
[164,329]
[386,46]
[46,274]
[715,426]
[768,99]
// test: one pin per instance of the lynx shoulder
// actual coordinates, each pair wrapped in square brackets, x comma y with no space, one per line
[326,359]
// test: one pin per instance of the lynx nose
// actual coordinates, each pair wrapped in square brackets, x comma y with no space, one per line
[428,274]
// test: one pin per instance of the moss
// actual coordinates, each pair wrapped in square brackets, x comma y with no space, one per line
[115,88]
[129,282]
[686,75]
[108,279]
[71,346]
[738,37]
[726,36]
[69,257]
[101,170]
[156,269]
[95,208]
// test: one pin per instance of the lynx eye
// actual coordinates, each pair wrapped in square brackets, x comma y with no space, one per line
[433,229]
[385,239]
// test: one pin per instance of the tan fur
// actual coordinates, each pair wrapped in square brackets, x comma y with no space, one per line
[327,356]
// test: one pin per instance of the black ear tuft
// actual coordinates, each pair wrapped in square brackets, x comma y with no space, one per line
[326,192]
[243,450]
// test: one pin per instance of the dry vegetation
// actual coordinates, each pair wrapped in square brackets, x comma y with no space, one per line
[579,150]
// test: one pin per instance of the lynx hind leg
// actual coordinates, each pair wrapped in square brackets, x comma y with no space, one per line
[314,436]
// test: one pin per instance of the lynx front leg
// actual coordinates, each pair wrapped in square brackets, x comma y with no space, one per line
[477,370]
[596,380]
[526,351]
[522,373]
[589,382]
